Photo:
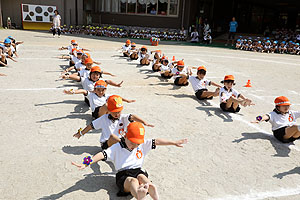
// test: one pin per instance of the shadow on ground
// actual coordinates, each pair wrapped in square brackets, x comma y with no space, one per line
[282,150]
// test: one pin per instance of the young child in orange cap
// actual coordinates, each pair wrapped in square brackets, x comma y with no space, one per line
[283,120]
[200,83]
[89,82]
[230,99]
[181,74]
[144,56]
[97,98]
[133,52]
[112,124]
[125,48]
[128,157]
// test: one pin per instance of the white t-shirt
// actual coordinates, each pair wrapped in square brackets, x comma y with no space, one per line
[87,84]
[194,36]
[79,65]
[96,101]
[56,21]
[228,93]
[75,59]
[124,159]
[164,68]
[177,72]
[125,48]
[84,73]
[109,126]
[142,56]
[198,84]
[279,120]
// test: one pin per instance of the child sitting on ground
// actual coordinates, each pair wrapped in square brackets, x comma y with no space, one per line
[181,74]
[230,99]
[128,156]
[200,83]
[283,121]
[112,124]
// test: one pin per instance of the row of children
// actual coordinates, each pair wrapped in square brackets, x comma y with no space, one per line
[268,46]
[109,31]
[283,120]
[8,49]
[122,138]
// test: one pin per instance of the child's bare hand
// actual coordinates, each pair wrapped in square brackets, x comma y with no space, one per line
[180,143]
[119,84]
[71,91]
[131,101]
[150,125]
[80,166]
[77,135]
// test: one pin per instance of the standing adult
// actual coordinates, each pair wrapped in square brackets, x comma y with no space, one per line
[232,30]
[56,24]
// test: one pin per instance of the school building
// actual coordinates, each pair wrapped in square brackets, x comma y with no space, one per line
[253,16]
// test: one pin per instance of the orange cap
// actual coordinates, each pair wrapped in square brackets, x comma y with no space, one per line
[144,47]
[164,58]
[115,103]
[80,51]
[73,42]
[74,50]
[96,69]
[282,101]
[180,63]
[128,41]
[133,44]
[100,84]
[201,67]
[88,61]
[135,132]
[229,78]
[87,55]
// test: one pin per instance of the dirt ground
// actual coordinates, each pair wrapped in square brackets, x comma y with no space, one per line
[226,157]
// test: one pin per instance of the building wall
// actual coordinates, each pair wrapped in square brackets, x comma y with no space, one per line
[66,9]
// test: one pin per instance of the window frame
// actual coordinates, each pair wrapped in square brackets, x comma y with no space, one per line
[141,14]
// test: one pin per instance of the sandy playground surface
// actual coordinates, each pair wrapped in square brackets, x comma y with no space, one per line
[226,157]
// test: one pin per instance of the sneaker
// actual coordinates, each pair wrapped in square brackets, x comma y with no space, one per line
[54,36]
[59,36]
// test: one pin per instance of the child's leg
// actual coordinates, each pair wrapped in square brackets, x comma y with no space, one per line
[183,80]
[132,185]
[292,131]
[113,139]
[207,94]
[152,188]
[103,110]
[233,102]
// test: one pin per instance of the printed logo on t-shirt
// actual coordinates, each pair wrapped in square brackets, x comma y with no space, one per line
[139,154]
[291,118]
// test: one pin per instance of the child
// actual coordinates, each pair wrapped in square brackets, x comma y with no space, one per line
[144,56]
[283,121]
[156,61]
[97,98]
[200,83]
[238,44]
[230,99]
[268,46]
[112,124]
[128,156]
[207,39]
[133,52]
[181,74]
[125,48]
[282,48]
[166,68]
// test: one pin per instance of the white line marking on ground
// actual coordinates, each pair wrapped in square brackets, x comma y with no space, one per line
[283,192]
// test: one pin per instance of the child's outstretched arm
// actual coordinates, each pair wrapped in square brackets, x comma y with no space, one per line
[215,84]
[96,158]
[137,119]
[84,131]
[109,82]
[107,73]
[128,101]
[97,63]
[83,49]
[79,91]
[261,119]
[178,143]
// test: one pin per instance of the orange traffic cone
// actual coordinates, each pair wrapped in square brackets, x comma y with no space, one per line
[173,59]
[248,84]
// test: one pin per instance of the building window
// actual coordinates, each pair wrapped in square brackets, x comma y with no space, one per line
[173,7]
[162,7]
[139,7]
